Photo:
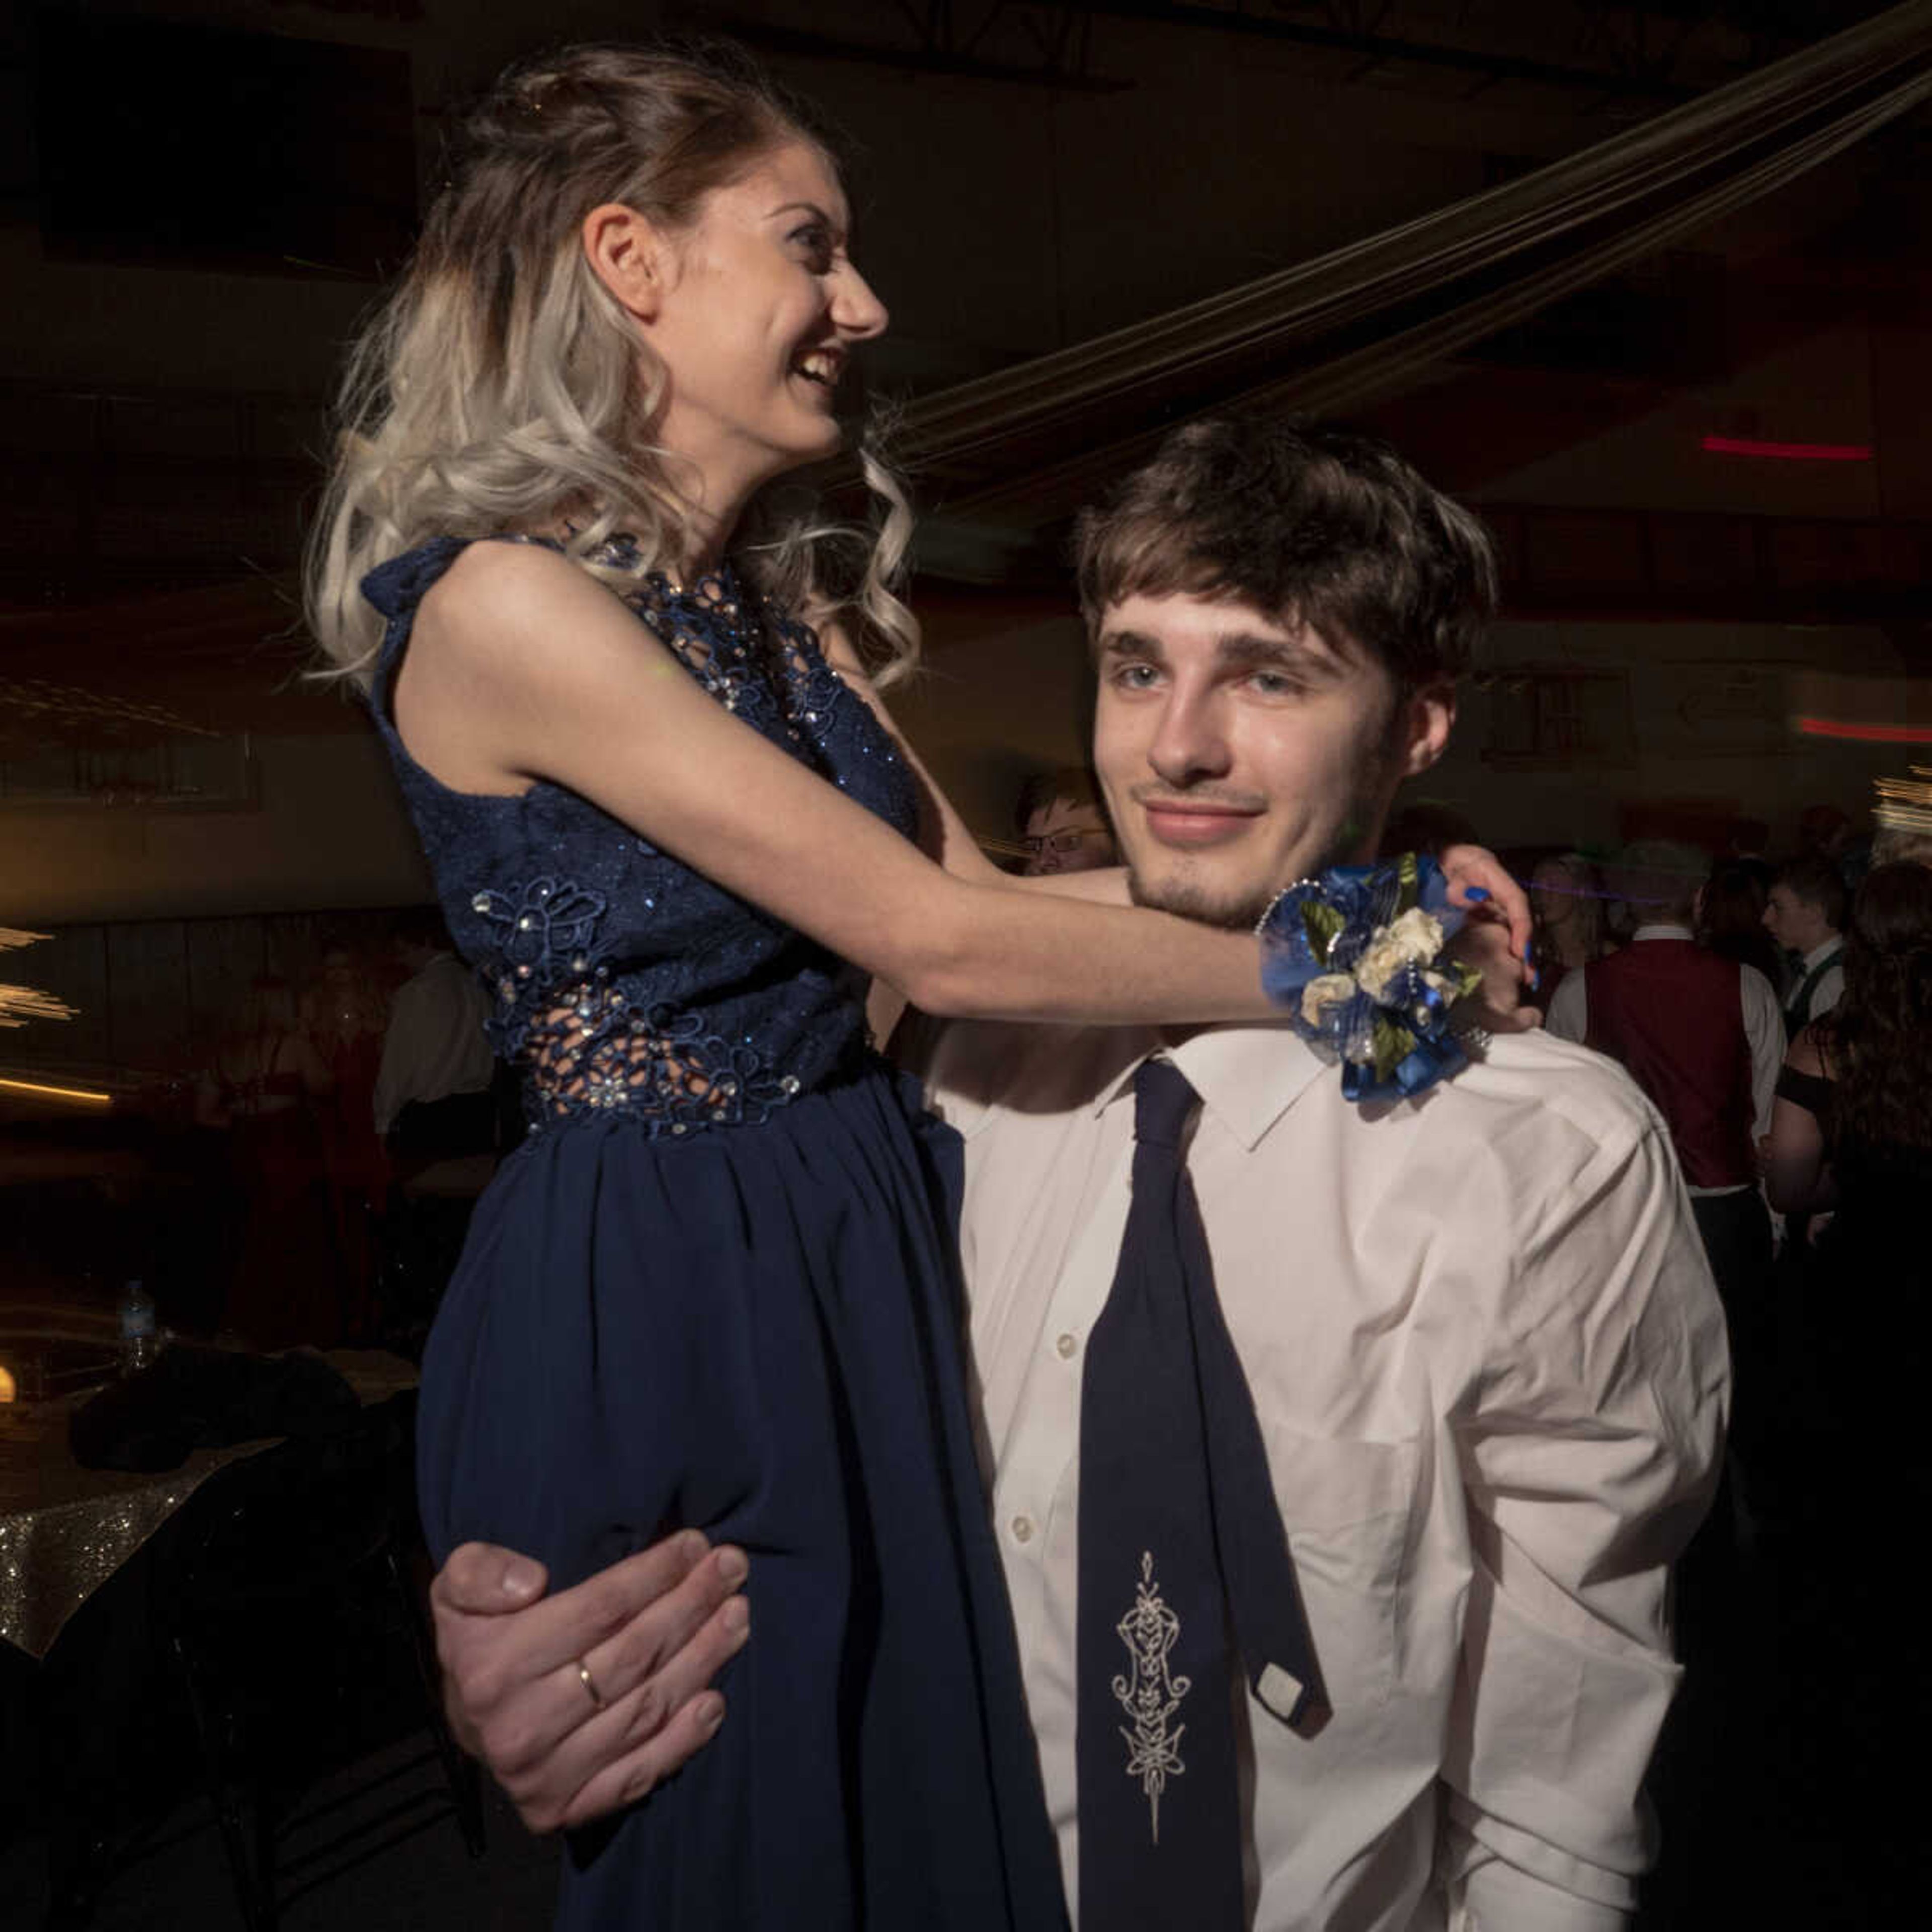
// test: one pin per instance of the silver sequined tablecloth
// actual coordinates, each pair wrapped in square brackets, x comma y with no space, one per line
[64,1530]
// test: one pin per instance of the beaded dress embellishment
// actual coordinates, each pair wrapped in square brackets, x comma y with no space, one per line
[583,1042]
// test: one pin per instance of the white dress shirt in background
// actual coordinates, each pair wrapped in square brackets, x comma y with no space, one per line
[1831,987]
[1490,1370]
[435,1045]
[1569,1019]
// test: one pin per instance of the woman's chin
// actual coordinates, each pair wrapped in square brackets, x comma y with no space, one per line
[814,443]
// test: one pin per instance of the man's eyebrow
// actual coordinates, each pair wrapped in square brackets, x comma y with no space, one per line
[1315,659]
[1117,643]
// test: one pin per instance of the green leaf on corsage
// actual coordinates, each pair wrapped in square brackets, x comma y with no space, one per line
[1393,1043]
[1324,924]
[1406,884]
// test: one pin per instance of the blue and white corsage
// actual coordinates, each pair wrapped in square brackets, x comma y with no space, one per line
[1356,959]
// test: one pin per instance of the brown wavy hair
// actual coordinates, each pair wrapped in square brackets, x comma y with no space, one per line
[1877,1045]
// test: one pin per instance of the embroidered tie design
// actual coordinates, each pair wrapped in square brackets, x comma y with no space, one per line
[1148,1695]
[1171,1459]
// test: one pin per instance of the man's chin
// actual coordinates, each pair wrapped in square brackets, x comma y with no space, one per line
[1231,909]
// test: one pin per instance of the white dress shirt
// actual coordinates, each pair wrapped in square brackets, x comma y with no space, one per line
[435,1045]
[1569,1019]
[1831,987]
[1490,1370]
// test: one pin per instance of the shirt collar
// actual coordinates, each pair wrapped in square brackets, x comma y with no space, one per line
[1829,949]
[1663,929]
[1247,1074]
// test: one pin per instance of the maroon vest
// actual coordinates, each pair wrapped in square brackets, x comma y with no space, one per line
[1674,1015]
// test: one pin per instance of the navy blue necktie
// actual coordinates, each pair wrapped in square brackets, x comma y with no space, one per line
[1185,1572]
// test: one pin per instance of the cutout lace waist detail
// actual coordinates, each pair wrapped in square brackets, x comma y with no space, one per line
[596,1051]
[586,1046]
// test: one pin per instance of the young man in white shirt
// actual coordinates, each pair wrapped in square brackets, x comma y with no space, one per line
[1805,913]
[1478,1332]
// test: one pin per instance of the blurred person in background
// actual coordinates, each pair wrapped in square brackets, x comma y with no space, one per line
[266,1086]
[433,1097]
[1852,1132]
[1826,832]
[1892,844]
[1062,824]
[439,1109]
[1804,912]
[1902,818]
[1567,902]
[343,1012]
[1701,1034]
[1730,919]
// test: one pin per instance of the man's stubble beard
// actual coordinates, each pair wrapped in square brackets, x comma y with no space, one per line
[1361,827]
[1186,900]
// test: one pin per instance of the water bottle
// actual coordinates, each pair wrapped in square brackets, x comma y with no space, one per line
[140,1338]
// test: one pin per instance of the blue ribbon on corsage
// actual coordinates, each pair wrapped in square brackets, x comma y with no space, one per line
[1355,957]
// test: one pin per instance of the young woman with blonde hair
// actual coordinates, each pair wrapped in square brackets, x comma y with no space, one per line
[672,826]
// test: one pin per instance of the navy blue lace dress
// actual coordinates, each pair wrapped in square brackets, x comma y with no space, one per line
[717,1286]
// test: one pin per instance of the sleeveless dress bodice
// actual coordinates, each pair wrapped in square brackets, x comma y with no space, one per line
[717,1287]
[622,979]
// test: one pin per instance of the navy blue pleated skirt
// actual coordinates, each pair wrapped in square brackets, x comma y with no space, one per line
[757,1331]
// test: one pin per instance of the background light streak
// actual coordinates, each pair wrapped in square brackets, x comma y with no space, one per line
[1786,452]
[1872,734]
[20,1004]
[55,1093]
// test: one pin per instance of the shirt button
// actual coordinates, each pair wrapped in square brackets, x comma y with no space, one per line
[1065,1347]
[1022,1527]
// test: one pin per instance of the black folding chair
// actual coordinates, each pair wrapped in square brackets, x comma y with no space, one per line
[284,1588]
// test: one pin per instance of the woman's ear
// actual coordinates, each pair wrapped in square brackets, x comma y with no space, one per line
[627,254]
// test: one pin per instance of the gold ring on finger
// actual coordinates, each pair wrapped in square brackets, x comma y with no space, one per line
[589,1683]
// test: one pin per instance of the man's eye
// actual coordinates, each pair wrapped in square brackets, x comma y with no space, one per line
[1274,683]
[1135,677]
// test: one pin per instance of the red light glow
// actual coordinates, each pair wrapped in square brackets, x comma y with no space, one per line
[1872,734]
[1786,452]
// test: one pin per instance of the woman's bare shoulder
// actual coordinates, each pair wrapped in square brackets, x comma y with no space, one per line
[494,590]
[484,667]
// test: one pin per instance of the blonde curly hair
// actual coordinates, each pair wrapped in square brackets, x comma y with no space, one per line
[501,387]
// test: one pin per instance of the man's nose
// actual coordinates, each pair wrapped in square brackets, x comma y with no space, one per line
[1189,744]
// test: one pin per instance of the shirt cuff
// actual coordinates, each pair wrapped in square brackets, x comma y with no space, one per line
[1508,1881]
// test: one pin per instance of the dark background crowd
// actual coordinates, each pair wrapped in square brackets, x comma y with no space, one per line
[301,1175]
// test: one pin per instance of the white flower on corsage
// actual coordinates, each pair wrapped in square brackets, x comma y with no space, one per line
[1414,940]
[1356,957]
[1330,989]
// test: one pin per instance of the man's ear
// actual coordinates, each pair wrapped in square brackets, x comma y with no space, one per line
[1428,717]
[629,255]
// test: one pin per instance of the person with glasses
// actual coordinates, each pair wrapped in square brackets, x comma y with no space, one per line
[1062,825]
